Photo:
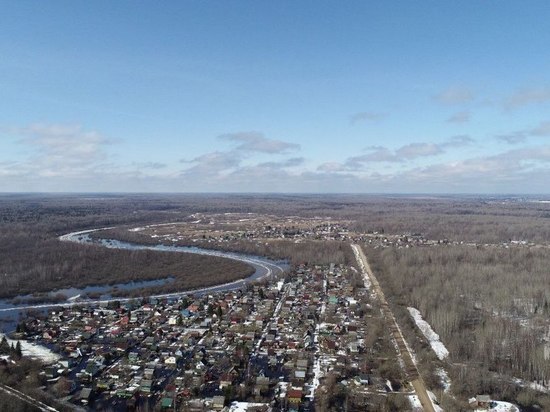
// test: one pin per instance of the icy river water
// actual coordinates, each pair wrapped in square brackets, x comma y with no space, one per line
[12,309]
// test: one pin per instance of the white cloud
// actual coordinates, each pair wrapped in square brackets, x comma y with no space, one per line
[455,95]
[459,117]
[512,165]
[512,138]
[212,166]
[292,162]
[414,150]
[525,97]
[457,141]
[70,158]
[257,142]
[366,116]
[332,167]
[59,151]
[215,167]
[62,141]
[380,154]
[520,136]
[542,129]
[149,165]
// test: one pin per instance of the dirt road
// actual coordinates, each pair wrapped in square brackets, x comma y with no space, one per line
[410,367]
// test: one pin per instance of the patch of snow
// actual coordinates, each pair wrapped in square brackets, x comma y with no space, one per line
[415,403]
[532,385]
[445,380]
[33,350]
[243,406]
[500,406]
[437,346]
[433,398]
[316,377]
[283,388]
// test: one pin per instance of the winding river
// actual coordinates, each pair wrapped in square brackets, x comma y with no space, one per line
[263,269]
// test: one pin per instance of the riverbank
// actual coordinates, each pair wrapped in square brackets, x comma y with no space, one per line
[261,268]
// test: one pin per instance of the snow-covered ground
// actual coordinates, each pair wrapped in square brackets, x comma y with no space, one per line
[243,406]
[322,362]
[33,350]
[445,380]
[415,403]
[316,378]
[437,346]
[500,406]
[532,385]
[433,398]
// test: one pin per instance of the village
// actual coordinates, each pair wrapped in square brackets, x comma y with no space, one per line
[313,338]
[216,230]
[270,346]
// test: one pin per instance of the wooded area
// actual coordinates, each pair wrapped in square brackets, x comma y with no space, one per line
[30,224]
[489,305]
[32,259]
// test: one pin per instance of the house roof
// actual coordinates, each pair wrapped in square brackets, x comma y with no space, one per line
[294,393]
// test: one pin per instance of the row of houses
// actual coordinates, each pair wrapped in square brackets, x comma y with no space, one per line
[269,345]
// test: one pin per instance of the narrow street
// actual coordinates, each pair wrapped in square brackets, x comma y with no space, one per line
[410,367]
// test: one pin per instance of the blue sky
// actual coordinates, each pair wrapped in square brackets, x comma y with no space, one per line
[286,96]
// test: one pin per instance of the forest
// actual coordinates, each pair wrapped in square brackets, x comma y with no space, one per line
[490,306]
[30,225]
[33,260]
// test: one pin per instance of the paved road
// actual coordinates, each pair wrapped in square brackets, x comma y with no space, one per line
[410,367]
